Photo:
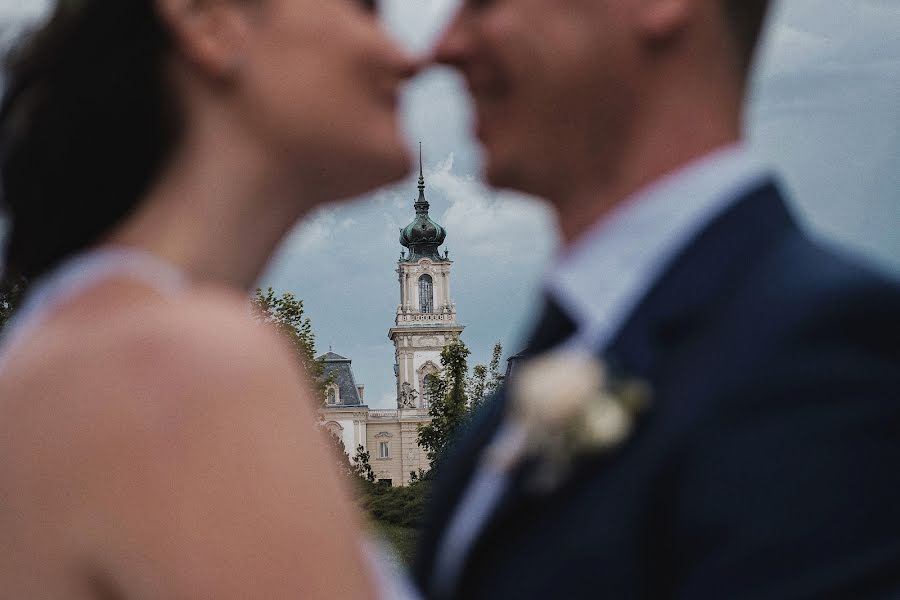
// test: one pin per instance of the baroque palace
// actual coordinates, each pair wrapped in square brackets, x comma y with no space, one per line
[425,321]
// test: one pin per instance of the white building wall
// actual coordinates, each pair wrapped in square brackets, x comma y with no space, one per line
[360,437]
[353,430]
[348,433]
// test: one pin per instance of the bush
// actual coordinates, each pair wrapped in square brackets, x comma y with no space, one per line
[404,506]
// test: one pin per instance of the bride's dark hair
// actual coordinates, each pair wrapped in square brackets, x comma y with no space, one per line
[87,123]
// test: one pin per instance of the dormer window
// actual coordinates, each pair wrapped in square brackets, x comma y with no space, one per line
[333,394]
[426,294]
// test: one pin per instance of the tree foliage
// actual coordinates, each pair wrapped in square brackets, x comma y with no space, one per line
[361,466]
[357,468]
[287,314]
[456,395]
[404,506]
[12,290]
[449,407]
[485,379]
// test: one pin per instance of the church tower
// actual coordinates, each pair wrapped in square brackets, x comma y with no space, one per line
[426,316]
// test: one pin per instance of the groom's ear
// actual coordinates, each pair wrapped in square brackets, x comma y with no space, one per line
[212,35]
[662,19]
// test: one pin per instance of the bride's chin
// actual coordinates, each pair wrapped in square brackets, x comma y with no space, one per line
[389,166]
[368,173]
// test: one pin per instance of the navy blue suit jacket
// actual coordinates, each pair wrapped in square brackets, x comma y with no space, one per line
[769,463]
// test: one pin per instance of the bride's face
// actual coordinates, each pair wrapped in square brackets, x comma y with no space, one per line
[319,85]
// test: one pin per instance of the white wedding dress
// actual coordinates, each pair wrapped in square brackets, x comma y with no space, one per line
[87,270]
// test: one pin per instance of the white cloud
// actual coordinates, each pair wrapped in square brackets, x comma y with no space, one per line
[504,227]
[824,109]
[417,24]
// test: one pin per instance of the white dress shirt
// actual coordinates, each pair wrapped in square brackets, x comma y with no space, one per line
[598,282]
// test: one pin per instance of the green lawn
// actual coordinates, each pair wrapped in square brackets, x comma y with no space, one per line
[403,539]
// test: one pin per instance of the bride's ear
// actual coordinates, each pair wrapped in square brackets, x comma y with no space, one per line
[212,35]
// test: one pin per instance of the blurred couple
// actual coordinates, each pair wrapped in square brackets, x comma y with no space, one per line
[154,154]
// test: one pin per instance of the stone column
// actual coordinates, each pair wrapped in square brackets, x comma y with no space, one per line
[406,294]
[410,370]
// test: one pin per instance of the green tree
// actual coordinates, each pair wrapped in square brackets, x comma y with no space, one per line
[485,379]
[361,466]
[448,408]
[287,314]
[12,290]
[476,385]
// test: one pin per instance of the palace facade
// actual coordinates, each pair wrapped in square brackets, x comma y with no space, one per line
[425,321]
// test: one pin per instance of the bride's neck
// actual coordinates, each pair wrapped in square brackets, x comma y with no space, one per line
[216,213]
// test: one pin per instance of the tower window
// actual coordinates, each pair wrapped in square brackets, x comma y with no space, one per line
[426,294]
[426,382]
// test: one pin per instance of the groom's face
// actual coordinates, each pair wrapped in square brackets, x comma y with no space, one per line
[551,81]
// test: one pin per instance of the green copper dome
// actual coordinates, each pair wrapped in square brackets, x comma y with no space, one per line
[423,236]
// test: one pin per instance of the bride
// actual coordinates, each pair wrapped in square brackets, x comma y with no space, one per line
[156,442]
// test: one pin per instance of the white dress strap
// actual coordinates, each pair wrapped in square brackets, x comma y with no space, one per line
[78,274]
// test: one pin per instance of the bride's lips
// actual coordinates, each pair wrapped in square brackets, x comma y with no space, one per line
[389,97]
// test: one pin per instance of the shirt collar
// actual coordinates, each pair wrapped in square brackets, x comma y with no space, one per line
[602,277]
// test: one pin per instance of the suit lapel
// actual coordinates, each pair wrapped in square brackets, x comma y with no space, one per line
[554,326]
[698,280]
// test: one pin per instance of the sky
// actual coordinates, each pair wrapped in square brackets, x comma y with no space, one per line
[824,109]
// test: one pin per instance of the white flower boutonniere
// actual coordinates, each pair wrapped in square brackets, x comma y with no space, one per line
[562,405]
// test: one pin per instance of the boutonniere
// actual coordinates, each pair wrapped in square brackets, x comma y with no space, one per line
[563,405]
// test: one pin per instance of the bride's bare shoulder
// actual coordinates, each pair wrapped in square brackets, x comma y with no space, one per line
[111,359]
[169,413]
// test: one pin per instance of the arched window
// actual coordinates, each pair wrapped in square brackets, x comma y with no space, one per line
[426,294]
[333,394]
[427,373]
[426,389]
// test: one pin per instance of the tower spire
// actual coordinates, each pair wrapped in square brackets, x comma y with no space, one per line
[421,176]
[421,204]
[423,236]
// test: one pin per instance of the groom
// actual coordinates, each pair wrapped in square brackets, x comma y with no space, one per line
[768,462]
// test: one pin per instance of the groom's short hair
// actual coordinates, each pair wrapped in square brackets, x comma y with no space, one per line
[746,19]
